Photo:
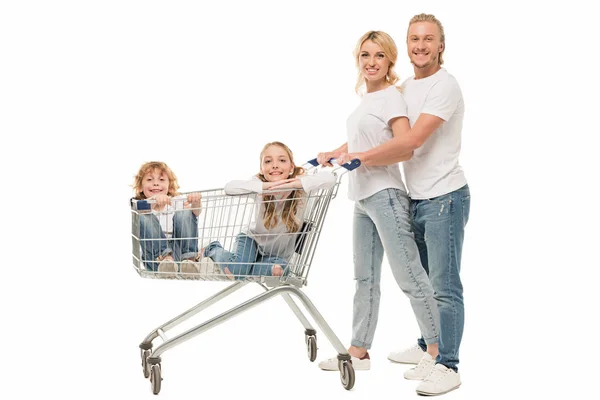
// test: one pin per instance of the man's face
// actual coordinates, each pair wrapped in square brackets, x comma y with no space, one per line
[424,45]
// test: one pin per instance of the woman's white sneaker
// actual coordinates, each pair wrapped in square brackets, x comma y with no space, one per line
[411,355]
[422,370]
[359,364]
[441,380]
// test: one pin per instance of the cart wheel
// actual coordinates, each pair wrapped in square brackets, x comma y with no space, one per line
[145,365]
[346,374]
[155,378]
[311,348]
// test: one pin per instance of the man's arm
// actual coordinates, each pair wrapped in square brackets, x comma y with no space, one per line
[397,148]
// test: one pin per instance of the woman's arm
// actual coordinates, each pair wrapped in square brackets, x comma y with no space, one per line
[323,158]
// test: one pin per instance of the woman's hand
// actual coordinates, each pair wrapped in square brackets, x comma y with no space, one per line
[323,158]
[347,157]
[194,201]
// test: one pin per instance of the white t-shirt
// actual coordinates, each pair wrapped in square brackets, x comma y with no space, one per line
[276,241]
[369,126]
[433,169]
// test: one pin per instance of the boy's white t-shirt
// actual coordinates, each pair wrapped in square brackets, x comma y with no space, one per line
[369,126]
[434,169]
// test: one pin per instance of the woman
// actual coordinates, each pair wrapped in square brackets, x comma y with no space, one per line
[381,217]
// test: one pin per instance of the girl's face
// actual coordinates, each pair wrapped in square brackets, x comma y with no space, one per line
[155,182]
[276,164]
[373,62]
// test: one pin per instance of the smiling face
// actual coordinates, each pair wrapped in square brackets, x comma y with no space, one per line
[424,46]
[155,182]
[373,64]
[276,164]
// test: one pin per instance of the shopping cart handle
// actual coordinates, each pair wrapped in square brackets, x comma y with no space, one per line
[351,165]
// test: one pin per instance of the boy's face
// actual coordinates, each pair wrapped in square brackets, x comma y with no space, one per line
[155,182]
[276,164]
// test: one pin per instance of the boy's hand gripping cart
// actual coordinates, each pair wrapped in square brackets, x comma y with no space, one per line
[222,217]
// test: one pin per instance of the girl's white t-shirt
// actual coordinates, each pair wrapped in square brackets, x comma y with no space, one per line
[277,241]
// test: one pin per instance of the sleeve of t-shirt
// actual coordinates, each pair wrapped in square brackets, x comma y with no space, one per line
[254,185]
[395,107]
[443,99]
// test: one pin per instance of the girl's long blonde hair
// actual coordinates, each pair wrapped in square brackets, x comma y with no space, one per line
[292,203]
[150,167]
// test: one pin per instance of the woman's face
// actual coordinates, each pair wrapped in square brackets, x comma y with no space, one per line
[373,62]
[275,164]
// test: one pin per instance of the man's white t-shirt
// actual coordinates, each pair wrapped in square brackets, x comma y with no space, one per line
[369,126]
[434,169]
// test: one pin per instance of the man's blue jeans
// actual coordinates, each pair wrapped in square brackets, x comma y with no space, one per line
[439,225]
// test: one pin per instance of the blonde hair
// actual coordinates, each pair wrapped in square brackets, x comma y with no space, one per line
[388,45]
[430,18]
[151,166]
[291,204]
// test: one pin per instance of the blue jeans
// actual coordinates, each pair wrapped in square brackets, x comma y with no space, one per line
[382,222]
[246,258]
[439,226]
[185,225]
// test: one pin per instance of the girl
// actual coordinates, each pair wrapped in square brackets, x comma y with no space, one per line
[269,243]
[162,229]
[381,218]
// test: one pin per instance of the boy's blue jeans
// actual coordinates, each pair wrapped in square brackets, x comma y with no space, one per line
[439,227]
[246,259]
[154,243]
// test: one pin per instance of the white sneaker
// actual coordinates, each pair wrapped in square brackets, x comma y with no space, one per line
[189,267]
[167,268]
[359,364]
[422,370]
[441,380]
[207,267]
[411,355]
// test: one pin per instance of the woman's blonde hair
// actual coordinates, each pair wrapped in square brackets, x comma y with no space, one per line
[151,166]
[291,204]
[388,45]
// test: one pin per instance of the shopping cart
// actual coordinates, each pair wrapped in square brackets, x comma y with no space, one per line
[222,217]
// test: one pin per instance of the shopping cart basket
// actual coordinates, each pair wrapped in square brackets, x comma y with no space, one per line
[222,217]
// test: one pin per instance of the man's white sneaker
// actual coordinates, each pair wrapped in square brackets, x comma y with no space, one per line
[441,380]
[422,370]
[411,355]
[359,364]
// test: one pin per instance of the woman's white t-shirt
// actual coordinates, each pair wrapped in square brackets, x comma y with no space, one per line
[369,126]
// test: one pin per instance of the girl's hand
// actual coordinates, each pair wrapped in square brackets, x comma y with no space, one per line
[294,183]
[275,185]
[194,201]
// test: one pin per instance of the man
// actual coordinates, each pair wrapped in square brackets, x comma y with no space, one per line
[440,198]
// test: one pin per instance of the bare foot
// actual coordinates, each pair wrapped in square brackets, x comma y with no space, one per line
[277,270]
[228,273]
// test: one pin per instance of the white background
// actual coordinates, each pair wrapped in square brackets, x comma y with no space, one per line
[91,90]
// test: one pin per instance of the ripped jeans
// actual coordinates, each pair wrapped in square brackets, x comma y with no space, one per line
[382,222]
